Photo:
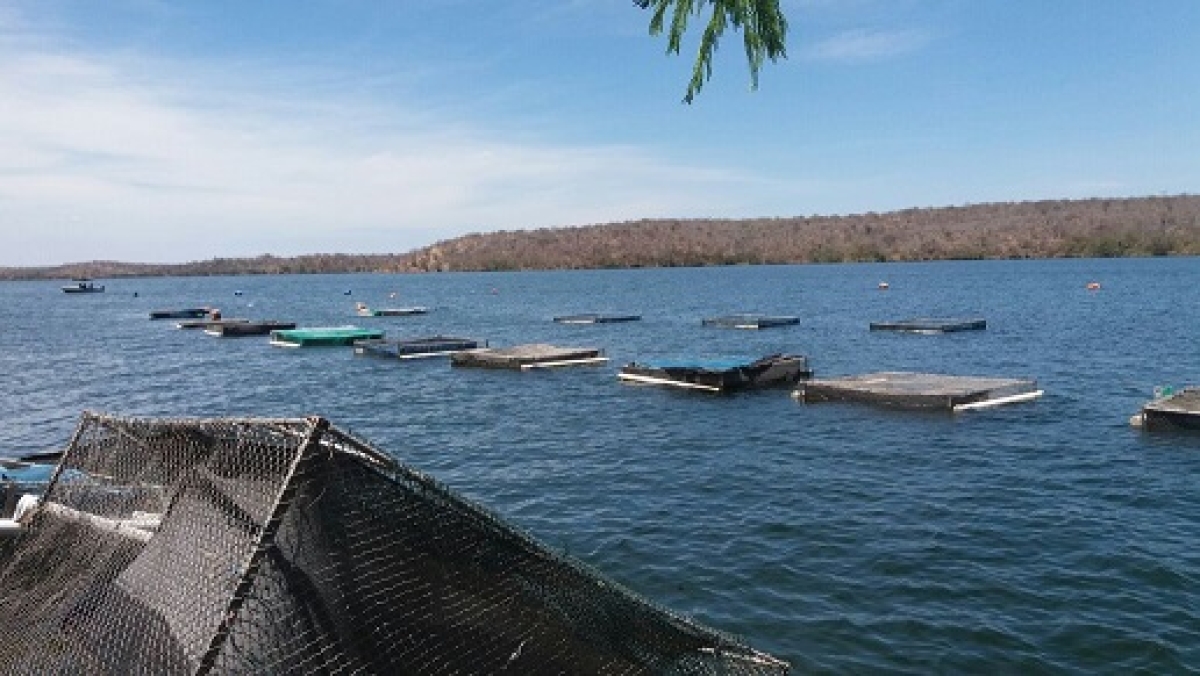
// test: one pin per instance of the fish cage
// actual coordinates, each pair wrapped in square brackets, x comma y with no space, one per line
[248,328]
[748,321]
[416,348]
[192,324]
[531,356]
[931,325]
[719,375]
[919,390]
[323,336]
[591,318]
[1171,410]
[287,546]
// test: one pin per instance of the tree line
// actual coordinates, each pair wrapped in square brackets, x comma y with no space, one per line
[1152,226]
[1094,228]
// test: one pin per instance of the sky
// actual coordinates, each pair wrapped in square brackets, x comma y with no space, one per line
[171,131]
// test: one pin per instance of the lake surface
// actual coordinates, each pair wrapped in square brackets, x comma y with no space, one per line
[1046,537]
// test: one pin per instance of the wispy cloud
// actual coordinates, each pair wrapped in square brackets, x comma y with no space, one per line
[103,156]
[865,46]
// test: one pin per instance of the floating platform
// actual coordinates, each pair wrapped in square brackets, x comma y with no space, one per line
[182,313]
[931,325]
[363,311]
[416,348]
[719,375]
[589,318]
[207,323]
[747,321]
[920,390]
[1172,410]
[532,356]
[322,336]
[248,328]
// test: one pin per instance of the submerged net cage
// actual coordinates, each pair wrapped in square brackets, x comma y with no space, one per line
[286,546]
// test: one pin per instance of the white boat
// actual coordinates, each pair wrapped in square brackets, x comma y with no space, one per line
[83,286]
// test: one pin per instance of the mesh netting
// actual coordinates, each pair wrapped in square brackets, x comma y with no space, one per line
[287,546]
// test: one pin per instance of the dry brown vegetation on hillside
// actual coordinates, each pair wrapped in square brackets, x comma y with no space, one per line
[1155,226]
[1148,226]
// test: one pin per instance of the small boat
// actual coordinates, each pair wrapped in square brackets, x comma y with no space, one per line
[1093,286]
[747,321]
[363,311]
[590,318]
[82,285]
[526,357]
[1170,410]
[183,313]
[719,375]
[416,348]
[246,327]
[322,336]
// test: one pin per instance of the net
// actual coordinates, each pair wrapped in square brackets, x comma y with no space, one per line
[285,546]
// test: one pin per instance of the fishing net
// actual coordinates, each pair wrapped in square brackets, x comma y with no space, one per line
[286,546]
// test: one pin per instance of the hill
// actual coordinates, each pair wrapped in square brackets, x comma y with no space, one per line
[1152,226]
[1145,226]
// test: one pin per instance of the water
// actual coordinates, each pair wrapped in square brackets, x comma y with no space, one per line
[1048,537]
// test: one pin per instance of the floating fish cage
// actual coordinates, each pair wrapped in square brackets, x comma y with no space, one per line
[746,321]
[323,336]
[207,323]
[919,390]
[248,328]
[596,319]
[1171,410]
[416,348]
[532,356]
[931,325]
[287,546]
[184,313]
[719,375]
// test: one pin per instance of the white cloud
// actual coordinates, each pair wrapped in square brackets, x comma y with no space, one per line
[863,46]
[103,157]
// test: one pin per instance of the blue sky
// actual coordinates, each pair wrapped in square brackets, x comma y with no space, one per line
[170,131]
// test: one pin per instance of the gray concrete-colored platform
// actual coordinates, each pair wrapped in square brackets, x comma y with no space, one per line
[919,390]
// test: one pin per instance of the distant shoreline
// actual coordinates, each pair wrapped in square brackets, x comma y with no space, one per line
[1093,228]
